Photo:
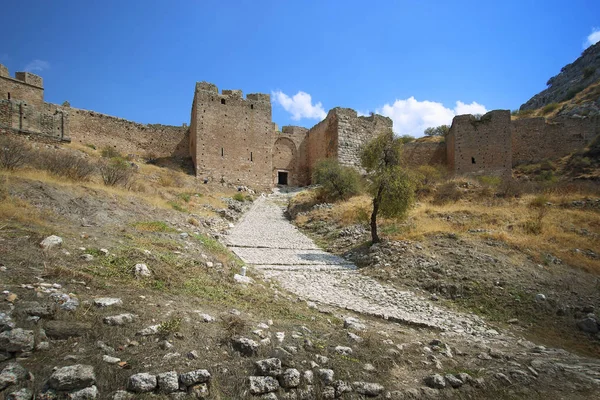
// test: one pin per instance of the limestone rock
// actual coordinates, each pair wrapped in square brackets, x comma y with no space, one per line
[368,389]
[33,308]
[122,395]
[141,383]
[23,394]
[168,382]
[12,374]
[89,393]
[6,323]
[588,325]
[51,242]
[242,279]
[17,340]
[435,381]
[354,323]
[110,360]
[269,367]
[199,391]
[65,329]
[194,377]
[107,302]
[245,346]
[142,271]
[341,387]
[72,377]
[121,319]
[290,378]
[453,381]
[263,384]
[325,375]
[343,350]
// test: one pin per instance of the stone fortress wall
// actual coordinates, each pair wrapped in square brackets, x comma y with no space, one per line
[232,139]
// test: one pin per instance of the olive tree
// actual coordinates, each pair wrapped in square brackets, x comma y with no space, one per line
[390,185]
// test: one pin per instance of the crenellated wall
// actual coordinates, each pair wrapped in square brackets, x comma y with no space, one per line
[25,86]
[232,138]
[46,120]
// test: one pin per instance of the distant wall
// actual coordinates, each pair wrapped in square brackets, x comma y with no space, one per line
[481,146]
[534,139]
[423,153]
[101,130]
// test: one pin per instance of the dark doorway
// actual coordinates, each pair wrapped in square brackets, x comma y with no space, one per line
[282,178]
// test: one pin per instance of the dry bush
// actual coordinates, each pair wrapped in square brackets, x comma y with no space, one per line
[13,153]
[233,325]
[447,192]
[67,165]
[115,171]
[110,152]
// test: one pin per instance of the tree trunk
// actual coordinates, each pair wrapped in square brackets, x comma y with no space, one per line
[376,201]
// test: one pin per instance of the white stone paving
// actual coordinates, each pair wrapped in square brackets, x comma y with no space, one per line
[265,239]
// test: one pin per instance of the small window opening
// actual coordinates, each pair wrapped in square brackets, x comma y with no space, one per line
[9,95]
[222,101]
[251,159]
[222,152]
[472,160]
[251,105]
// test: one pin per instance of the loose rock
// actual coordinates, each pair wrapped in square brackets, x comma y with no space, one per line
[290,378]
[194,377]
[168,382]
[107,302]
[118,320]
[435,381]
[263,384]
[51,242]
[141,383]
[246,347]
[17,340]
[72,377]
[269,367]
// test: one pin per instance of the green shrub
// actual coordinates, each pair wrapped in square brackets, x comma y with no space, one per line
[337,182]
[573,92]
[588,71]
[492,181]
[549,108]
[448,192]
[115,171]
[110,152]
[239,197]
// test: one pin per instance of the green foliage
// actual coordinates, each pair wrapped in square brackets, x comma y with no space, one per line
[406,139]
[492,181]
[441,130]
[241,197]
[588,71]
[153,226]
[185,197]
[549,108]
[391,186]
[178,207]
[110,152]
[66,165]
[337,181]
[594,148]
[547,176]
[91,146]
[115,171]
[168,327]
[573,92]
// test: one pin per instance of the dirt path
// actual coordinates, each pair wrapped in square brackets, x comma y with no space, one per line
[265,239]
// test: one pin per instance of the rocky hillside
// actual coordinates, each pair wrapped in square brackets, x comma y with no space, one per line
[572,79]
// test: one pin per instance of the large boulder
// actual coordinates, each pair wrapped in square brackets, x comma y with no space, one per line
[17,340]
[269,367]
[194,377]
[588,325]
[142,383]
[12,374]
[263,384]
[72,377]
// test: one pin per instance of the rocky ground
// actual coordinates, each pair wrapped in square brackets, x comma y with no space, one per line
[107,295]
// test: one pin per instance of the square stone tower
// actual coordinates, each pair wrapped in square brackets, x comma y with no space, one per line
[231,138]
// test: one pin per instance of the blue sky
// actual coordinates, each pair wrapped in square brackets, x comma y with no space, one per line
[411,60]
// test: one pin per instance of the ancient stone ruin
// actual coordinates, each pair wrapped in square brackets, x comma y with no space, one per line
[233,140]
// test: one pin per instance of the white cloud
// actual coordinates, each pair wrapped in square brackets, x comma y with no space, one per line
[412,117]
[593,38]
[37,65]
[300,105]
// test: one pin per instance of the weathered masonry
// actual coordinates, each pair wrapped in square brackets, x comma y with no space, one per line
[232,139]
